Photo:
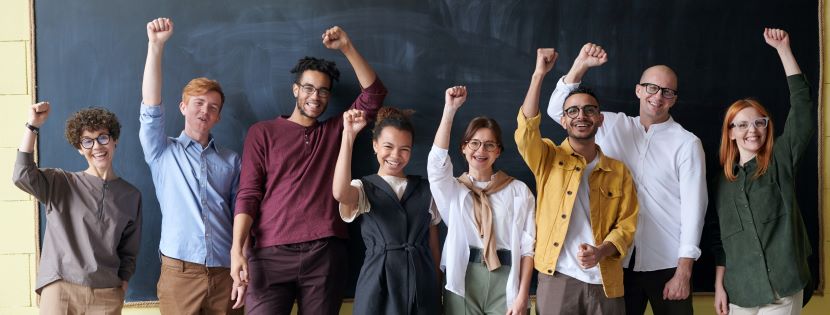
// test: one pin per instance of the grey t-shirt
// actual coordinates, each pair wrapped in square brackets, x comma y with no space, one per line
[93,227]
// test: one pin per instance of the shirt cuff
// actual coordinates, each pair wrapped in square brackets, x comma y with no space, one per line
[688,251]
[569,86]
[363,205]
[529,123]
[25,158]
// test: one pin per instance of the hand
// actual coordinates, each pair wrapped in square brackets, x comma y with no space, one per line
[589,256]
[336,38]
[677,288]
[353,121]
[545,58]
[721,301]
[238,294]
[239,268]
[777,38]
[519,306]
[455,97]
[38,113]
[159,30]
[591,55]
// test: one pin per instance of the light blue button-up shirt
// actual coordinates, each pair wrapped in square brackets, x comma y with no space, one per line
[196,189]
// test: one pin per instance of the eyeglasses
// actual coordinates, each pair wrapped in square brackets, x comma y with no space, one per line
[760,123]
[310,89]
[587,110]
[654,88]
[489,146]
[87,143]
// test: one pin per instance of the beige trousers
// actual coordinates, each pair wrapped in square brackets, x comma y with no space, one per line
[790,305]
[61,297]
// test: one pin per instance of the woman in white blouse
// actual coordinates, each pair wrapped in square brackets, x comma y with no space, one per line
[488,252]
[396,216]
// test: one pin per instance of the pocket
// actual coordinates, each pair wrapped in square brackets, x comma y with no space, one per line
[609,202]
[765,202]
[729,221]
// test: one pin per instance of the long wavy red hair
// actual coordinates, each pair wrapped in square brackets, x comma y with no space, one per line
[729,154]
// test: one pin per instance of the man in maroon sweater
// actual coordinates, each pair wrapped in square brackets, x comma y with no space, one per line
[284,201]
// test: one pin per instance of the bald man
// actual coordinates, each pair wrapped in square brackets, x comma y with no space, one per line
[669,171]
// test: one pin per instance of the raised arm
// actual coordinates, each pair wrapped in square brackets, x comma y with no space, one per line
[545,59]
[346,194]
[801,122]
[454,97]
[591,55]
[336,38]
[158,32]
[27,176]
[37,116]
[780,40]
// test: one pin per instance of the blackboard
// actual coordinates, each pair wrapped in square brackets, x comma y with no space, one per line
[92,53]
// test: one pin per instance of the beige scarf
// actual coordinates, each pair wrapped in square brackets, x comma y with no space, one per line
[483,212]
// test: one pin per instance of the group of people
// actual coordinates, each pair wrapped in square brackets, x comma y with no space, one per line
[615,224]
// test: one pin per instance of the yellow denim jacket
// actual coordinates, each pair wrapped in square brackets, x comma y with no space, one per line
[613,199]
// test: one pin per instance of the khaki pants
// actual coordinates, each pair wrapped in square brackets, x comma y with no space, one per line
[790,305]
[62,297]
[562,294]
[188,288]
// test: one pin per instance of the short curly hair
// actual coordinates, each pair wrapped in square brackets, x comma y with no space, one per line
[91,119]
[329,68]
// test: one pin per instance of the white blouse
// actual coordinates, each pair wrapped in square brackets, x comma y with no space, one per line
[514,208]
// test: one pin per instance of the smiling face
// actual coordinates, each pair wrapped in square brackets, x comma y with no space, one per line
[752,139]
[393,149]
[582,127]
[201,112]
[100,155]
[480,159]
[655,107]
[311,105]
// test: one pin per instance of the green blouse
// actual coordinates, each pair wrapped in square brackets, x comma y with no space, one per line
[763,242]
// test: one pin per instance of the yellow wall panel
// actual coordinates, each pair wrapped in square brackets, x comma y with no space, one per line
[16,283]
[13,66]
[15,17]
[17,227]
[15,112]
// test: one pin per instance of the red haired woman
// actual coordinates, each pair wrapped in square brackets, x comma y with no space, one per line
[762,250]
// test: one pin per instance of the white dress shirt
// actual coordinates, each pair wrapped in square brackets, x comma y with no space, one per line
[669,169]
[455,204]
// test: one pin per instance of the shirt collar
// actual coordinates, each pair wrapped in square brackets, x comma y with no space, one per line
[187,141]
[602,164]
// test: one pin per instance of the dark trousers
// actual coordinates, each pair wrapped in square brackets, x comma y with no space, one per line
[647,287]
[311,272]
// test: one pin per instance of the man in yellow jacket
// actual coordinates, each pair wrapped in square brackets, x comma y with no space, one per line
[586,205]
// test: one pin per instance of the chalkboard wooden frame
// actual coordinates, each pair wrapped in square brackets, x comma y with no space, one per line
[508,33]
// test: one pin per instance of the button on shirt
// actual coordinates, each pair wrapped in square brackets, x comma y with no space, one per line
[195,187]
[669,169]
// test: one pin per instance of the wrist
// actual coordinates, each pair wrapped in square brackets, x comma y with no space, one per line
[32,127]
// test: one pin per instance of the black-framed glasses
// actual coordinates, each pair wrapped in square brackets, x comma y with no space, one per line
[587,110]
[652,88]
[88,143]
[309,89]
[760,123]
[489,146]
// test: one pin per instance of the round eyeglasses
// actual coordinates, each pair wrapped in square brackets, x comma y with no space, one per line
[87,143]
